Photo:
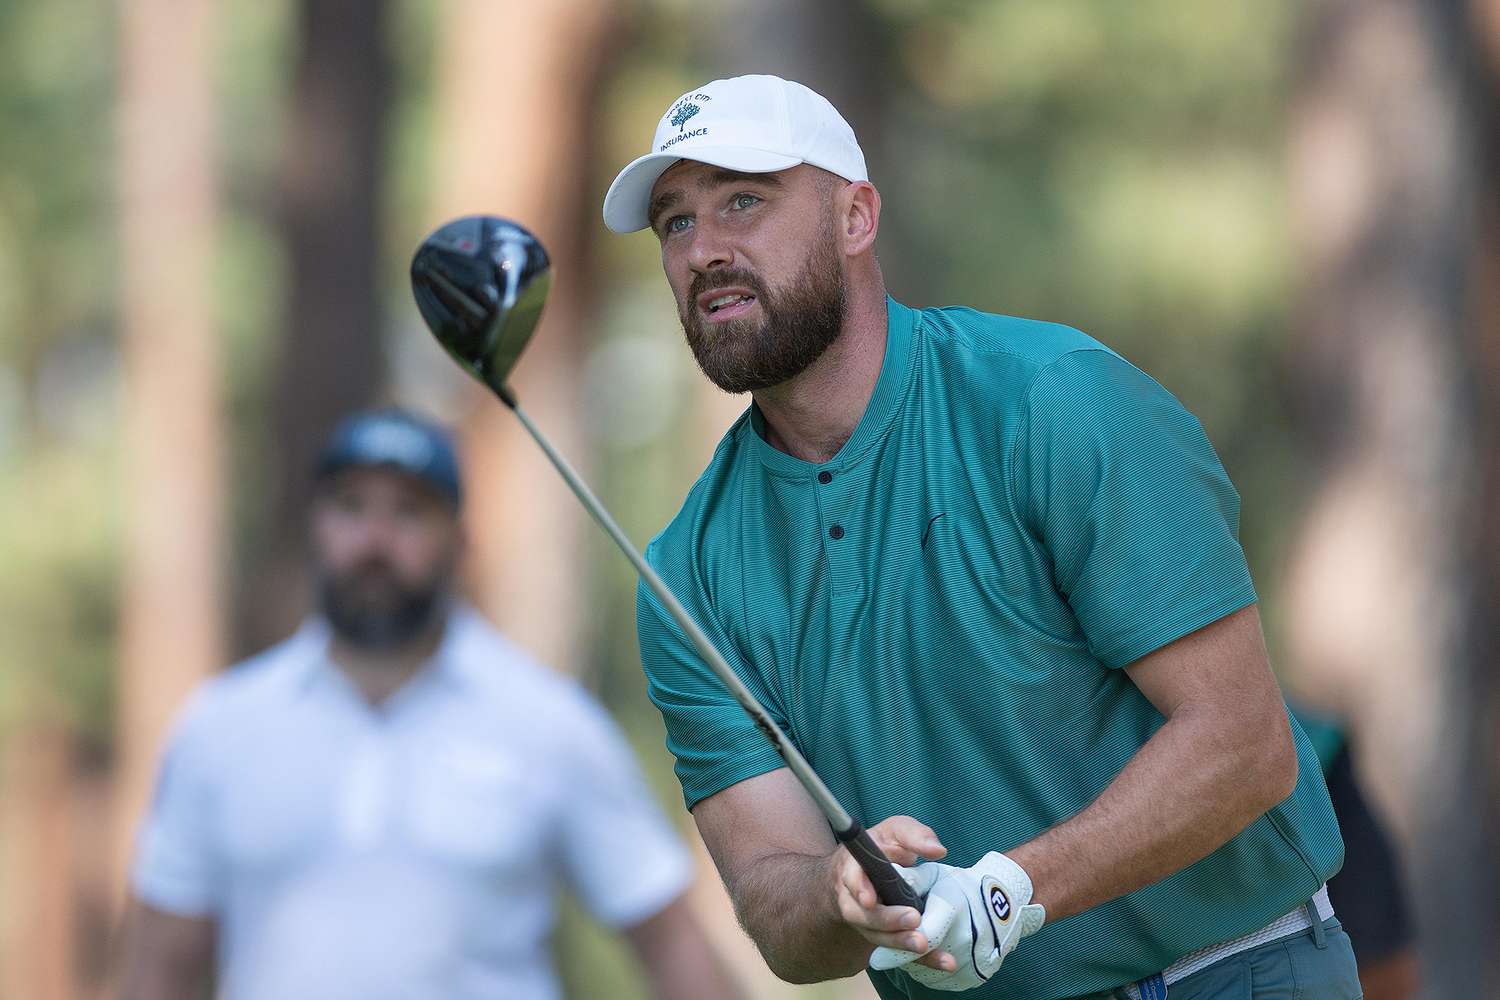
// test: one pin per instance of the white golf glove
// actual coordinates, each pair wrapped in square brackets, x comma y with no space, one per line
[978,915]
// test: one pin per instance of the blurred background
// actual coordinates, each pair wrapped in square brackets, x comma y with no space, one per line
[1286,212]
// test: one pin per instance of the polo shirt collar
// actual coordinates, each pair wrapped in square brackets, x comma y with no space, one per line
[314,636]
[880,412]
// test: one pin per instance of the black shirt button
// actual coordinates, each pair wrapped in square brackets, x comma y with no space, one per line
[835,532]
[825,477]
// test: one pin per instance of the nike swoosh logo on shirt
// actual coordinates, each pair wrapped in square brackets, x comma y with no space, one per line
[928,531]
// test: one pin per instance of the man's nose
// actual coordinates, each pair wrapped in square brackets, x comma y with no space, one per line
[374,532]
[709,249]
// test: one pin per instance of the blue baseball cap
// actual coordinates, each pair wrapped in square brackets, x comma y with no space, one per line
[395,439]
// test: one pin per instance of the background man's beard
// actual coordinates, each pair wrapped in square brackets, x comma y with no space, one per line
[800,323]
[389,620]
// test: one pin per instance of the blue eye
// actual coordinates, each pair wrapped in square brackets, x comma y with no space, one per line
[745,200]
[676,224]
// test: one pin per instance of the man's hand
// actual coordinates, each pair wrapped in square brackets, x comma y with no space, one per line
[977,915]
[905,841]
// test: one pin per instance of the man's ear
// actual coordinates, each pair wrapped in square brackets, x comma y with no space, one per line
[859,216]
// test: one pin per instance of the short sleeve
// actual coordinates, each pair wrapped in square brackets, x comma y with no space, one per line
[1121,486]
[620,855]
[715,743]
[176,865]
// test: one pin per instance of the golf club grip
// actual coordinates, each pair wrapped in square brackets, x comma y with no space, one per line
[889,885]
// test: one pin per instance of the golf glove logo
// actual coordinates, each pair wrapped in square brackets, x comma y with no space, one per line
[998,903]
[971,916]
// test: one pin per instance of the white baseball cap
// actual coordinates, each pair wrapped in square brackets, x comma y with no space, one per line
[757,124]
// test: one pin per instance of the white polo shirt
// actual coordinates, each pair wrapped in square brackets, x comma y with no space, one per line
[410,851]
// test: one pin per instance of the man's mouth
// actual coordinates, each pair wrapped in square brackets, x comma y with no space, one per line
[724,305]
[377,580]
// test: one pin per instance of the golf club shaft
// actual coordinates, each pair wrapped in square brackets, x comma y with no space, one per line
[889,885]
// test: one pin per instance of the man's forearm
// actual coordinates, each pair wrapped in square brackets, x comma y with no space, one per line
[165,956]
[163,984]
[799,931]
[799,895]
[678,957]
[1185,793]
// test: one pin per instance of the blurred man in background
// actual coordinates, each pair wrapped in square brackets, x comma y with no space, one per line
[379,806]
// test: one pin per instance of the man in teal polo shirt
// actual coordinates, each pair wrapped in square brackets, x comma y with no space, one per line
[985,575]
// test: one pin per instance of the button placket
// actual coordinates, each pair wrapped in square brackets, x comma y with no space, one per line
[843,567]
[366,792]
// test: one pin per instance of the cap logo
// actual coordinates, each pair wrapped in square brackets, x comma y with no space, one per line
[679,115]
[685,109]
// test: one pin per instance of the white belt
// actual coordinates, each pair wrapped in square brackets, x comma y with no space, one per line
[1283,926]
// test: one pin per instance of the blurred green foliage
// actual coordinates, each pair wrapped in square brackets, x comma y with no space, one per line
[58,360]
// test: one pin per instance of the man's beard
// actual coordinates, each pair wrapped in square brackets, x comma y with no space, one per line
[369,608]
[800,322]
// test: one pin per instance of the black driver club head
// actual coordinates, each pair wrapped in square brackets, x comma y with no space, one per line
[480,283]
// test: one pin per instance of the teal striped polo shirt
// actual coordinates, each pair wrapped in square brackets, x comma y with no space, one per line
[937,617]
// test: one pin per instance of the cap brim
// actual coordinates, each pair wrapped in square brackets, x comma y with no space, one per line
[627,199]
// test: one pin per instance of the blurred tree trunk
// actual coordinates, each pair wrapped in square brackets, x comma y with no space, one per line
[37,942]
[331,359]
[1469,822]
[837,47]
[1392,608]
[517,89]
[171,608]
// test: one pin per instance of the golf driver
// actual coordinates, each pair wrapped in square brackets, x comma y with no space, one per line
[480,282]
